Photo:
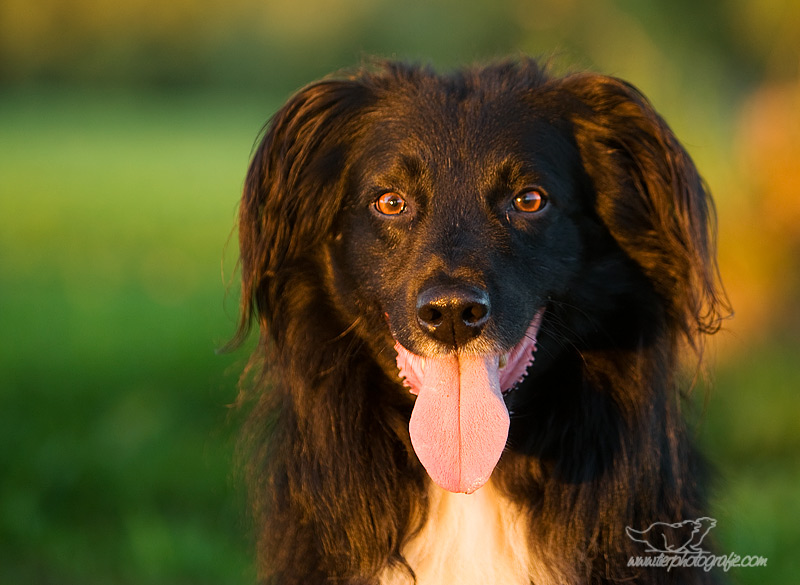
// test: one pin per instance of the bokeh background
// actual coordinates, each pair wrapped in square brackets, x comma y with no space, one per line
[125,131]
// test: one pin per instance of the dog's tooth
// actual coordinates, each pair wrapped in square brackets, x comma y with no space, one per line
[503,361]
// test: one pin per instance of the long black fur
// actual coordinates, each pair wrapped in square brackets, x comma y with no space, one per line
[624,266]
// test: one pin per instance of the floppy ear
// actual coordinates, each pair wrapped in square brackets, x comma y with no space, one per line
[293,187]
[650,197]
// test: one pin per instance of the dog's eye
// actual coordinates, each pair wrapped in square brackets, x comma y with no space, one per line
[530,201]
[390,204]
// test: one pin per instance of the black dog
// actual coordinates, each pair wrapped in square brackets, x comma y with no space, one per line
[409,242]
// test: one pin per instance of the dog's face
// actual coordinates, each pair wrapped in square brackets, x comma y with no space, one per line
[458,223]
[462,217]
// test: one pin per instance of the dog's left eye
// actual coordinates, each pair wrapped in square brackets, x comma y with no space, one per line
[530,201]
[390,204]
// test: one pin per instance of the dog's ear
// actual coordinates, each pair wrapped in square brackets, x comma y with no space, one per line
[293,188]
[650,197]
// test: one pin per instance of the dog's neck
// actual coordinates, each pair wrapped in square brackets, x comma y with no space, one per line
[470,539]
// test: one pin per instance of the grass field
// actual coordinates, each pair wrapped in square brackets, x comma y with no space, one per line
[115,213]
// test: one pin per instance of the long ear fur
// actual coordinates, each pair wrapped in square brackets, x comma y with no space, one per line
[651,199]
[292,190]
[319,420]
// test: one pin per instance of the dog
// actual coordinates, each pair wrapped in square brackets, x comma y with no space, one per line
[474,293]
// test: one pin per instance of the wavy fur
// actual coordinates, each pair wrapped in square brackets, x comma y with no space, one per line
[597,440]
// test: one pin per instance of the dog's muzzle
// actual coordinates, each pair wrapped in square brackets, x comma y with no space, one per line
[459,425]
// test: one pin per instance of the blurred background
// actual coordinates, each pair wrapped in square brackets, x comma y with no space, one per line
[125,132]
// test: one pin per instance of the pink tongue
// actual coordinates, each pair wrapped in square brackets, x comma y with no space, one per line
[459,425]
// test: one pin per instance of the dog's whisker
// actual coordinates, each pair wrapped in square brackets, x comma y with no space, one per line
[348,329]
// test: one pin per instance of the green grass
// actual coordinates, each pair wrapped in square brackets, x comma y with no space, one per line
[751,432]
[115,211]
[114,219]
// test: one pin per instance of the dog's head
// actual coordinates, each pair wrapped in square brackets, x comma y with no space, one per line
[459,221]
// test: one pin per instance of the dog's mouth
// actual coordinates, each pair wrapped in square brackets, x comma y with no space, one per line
[459,425]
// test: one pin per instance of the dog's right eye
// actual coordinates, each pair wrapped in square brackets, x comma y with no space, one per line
[531,201]
[390,204]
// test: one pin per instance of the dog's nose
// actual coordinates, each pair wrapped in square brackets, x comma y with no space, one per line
[453,314]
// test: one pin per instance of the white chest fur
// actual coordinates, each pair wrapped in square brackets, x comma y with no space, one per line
[474,539]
